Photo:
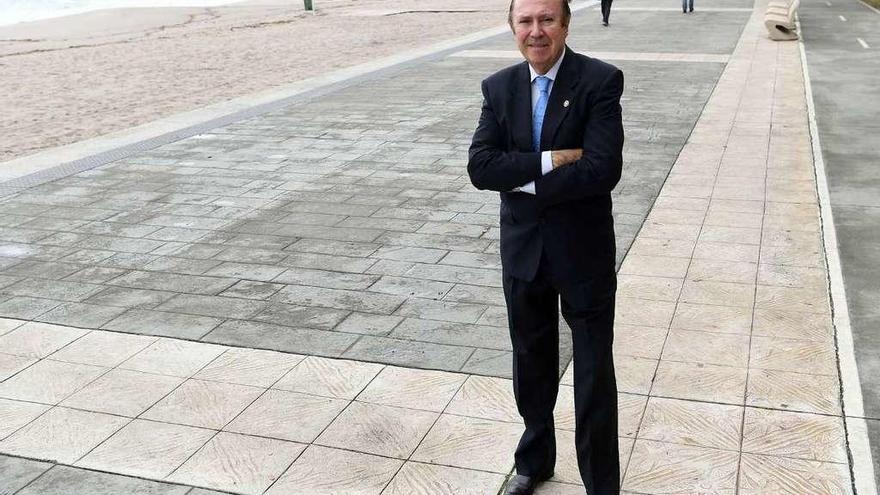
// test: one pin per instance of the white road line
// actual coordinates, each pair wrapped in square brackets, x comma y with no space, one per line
[863,43]
[857,438]
[842,18]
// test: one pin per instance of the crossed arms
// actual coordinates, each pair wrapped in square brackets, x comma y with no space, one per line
[591,170]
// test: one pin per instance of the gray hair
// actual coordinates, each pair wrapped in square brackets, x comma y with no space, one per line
[566,12]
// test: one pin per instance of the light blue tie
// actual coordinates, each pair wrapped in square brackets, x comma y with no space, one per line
[538,115]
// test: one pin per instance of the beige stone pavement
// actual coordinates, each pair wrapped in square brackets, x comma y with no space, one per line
[724,348]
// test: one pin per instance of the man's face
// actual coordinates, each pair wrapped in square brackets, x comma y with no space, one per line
[540,31]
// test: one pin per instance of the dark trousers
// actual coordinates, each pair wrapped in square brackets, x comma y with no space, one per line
[606,9]
[588,308]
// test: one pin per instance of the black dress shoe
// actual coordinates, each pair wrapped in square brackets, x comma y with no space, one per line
[524,485]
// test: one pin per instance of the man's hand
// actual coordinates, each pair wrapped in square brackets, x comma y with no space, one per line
[564,157]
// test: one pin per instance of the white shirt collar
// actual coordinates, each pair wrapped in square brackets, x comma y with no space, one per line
[551,74]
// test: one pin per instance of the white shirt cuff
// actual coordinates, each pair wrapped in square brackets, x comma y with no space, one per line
[528,188]
[546,163]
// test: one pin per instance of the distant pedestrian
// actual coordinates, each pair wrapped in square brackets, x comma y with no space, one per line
[606,11]
[686,6]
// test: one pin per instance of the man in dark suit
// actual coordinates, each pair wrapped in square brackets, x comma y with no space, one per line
[550,140]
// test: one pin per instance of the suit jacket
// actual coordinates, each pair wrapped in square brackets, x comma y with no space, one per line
[569,219]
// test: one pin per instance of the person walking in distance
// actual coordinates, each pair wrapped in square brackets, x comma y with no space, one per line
[687,6]
[550,141]
[606,11]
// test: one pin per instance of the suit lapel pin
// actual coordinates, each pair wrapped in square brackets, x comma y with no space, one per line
[565,103]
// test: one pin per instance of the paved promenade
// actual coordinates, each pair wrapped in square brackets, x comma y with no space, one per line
[308,301]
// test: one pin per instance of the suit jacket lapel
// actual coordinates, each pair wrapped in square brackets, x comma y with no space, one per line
[522,108]
[563,91]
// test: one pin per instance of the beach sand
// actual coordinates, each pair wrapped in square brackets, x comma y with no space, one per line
[82,76]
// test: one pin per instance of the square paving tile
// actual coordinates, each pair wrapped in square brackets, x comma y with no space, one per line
[416,478]
[470,443]
[376,429]
[486,397]
[658,288]
[657,467]
[655,266]
[103,348]
[727,251]
[417,389]
[770,475]
[718,293]
[707,348]
[697,381]
[692,423]
[204,404]
[632,311]
[634,375]
[337,378]
[792,276]
[712,318]
[742,235]
[792,434]
[62,435]
[15,414]
[773,353]
[793,325]
[813,300]
[793,391]
[238,463]
[38,340]
[325,471]
[639,341]
[249,367]
[49,381]
[739,272]
[123,392]
[288,416]
[662,247]
[173,357]
[146,448]
[10,365]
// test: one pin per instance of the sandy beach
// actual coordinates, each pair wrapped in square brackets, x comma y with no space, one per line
[77,77]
